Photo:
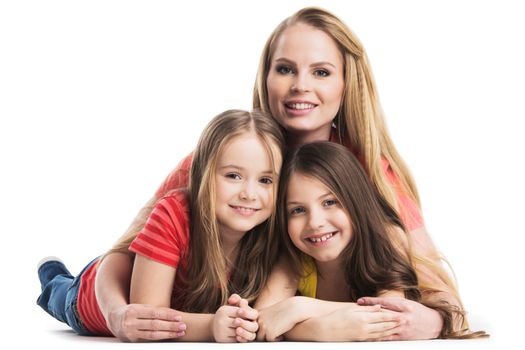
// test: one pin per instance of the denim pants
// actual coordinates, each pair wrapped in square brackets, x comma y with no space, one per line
[60,294]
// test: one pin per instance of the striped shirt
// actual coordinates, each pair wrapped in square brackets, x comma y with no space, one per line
[165,239]
[87,305]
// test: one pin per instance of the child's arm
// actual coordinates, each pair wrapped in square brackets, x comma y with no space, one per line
[300,315]
[130,322]
[221,326]
[280,286]
[280,310]
[356,323]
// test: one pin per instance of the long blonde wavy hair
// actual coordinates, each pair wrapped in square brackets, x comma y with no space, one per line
[206,283]
[361,126]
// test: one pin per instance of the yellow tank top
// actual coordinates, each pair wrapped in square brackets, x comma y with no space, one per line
[308,283]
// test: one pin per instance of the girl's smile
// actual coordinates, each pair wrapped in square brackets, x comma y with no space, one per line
[244,211]
[320,239]
[317,223]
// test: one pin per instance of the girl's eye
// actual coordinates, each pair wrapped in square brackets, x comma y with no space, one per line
[330,202]
[321,73]
[284,70]
[266,181]
[297,211]
[233,176]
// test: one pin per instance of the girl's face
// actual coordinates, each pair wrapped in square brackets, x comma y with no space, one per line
[244,184]
[306,81]
[317,223]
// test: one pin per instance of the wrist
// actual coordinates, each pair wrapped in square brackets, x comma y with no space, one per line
[437,324]
[298,307]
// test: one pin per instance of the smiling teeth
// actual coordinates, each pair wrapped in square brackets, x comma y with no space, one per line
[321,239]
[300,105]
[246,210]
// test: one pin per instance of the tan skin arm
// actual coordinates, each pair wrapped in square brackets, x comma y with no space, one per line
[223,326]
[131,322]
[281,311]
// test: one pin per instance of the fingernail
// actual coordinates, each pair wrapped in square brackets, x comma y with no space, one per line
[177,318]
[180,334]
[182,327]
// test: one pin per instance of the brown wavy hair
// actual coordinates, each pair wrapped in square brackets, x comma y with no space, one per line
[373,261]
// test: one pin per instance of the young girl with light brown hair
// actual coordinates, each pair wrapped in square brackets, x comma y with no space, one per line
[200,247]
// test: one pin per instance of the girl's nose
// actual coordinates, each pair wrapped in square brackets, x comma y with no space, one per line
[248,191]
[316,219]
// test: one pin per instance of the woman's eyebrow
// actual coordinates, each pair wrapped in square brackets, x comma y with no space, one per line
[315,64]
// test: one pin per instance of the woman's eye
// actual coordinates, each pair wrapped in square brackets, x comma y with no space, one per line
[296,211]
[266,181]
[284,70]
[321,73]
[330,202]
[233,176]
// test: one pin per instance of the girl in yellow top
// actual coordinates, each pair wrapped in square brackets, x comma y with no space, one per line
[336,236]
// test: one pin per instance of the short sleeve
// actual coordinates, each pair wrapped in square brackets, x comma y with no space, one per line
[165,235]
[178,178]
[409,211]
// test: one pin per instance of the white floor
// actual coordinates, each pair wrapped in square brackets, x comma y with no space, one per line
[48,332]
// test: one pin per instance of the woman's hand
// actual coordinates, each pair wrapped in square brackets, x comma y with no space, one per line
[420,322]
[135,322]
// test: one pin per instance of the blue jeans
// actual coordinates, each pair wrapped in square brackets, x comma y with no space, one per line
[60,294]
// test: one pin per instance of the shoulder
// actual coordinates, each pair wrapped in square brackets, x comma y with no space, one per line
[175,198]
[175,204]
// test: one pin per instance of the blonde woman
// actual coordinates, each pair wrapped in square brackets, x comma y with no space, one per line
[199,246]
[315,80]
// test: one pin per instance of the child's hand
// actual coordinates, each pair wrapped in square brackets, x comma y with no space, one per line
[246,320]
[362,323]
[421,322]
[229,326]
[276,320]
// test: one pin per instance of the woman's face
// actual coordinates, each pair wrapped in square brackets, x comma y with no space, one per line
[305,82]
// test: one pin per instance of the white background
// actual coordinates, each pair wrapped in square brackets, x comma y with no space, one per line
[99,100]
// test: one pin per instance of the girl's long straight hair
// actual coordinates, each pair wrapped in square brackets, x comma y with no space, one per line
[206,281]
[372,261]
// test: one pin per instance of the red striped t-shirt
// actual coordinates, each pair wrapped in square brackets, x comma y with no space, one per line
[165,239]
[87,305]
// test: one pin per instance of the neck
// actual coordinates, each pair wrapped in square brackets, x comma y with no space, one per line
[297,139]
[330,270]
[230,244]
